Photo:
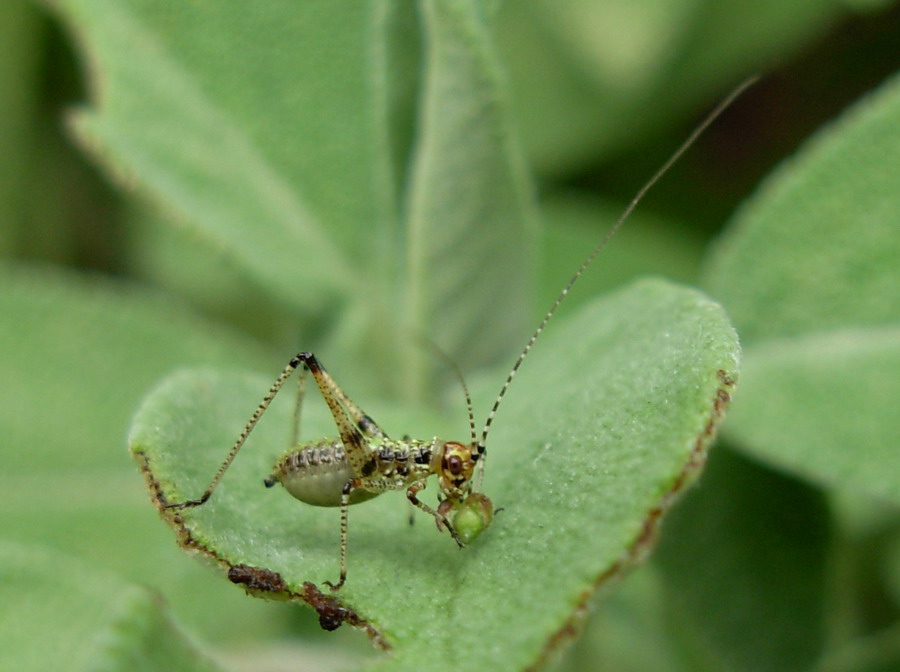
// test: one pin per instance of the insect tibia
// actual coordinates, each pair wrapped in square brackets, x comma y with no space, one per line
[439,515]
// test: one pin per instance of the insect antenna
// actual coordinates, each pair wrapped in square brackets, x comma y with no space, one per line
[692,138]
[453,366]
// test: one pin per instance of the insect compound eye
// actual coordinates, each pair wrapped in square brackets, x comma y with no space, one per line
[455,465]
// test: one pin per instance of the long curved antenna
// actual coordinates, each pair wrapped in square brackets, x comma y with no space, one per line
[443,356]
[701,127]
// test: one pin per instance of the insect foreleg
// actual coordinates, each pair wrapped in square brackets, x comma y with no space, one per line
[439,518]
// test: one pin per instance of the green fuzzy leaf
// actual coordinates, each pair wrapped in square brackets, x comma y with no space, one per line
[816,248]
[809,273]
[748,552]
[265,131]
[82,353]
[830,404]
[289,136]
[605,424]
[60,614]
[471,221]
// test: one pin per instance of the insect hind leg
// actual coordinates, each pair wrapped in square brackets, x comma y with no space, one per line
[248,428]
[355,426]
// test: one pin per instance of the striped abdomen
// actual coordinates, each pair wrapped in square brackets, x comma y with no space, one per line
[315,473]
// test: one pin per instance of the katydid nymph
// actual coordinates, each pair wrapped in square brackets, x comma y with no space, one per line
[363,462]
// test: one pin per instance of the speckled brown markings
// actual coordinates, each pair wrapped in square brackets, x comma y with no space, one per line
[640,548]
[332,613]
[256,580]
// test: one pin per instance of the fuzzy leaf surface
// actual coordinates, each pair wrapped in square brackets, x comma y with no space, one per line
[809,273]
[263,131]
[470,214]
[78,354]
[605,424]
[61,614]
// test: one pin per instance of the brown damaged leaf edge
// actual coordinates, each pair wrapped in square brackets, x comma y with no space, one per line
[332,613]
[257,581]
[640,548]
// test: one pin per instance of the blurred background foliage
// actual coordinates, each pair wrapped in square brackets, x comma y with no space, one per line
[102,296]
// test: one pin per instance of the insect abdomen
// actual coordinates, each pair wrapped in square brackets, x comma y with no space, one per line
[316,473]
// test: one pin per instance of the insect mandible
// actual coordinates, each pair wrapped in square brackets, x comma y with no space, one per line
[363,462]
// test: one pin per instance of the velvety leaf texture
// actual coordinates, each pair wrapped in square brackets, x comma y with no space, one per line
[61,614]
[606,423]
[809,273]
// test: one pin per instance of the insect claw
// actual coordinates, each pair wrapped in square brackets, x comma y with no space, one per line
[188,504]
[336,586]
[456,537]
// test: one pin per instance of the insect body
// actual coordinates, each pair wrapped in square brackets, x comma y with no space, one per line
[363,462]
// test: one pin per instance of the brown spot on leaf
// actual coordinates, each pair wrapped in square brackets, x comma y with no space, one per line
[257,581]
[331,612]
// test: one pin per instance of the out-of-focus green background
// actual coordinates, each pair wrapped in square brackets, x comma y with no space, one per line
[106,289]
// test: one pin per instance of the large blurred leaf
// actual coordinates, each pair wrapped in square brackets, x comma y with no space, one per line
[471,220]
[621,625]
[605,424]
[279,136]
[59,614]
[76,356]
[829,403]
[20,33]
[739,582]
[264,130]
[648,244]
[589,76]
[816,248]
[810,274]
[745,567]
